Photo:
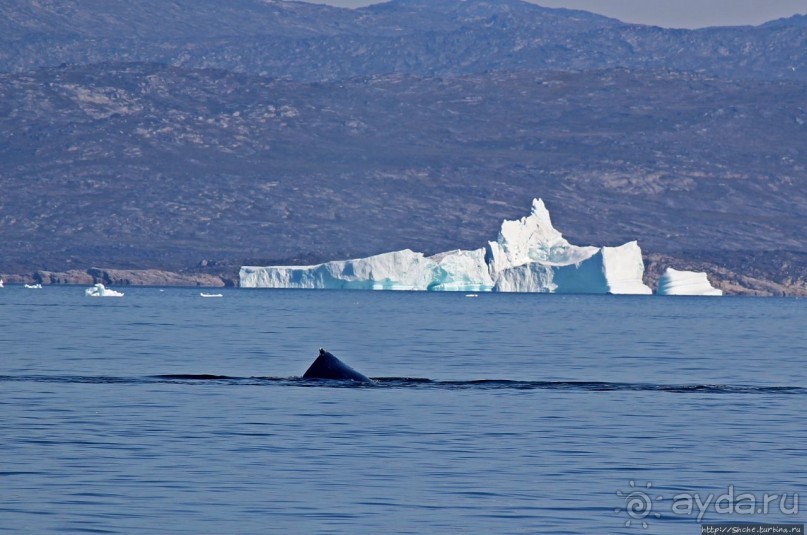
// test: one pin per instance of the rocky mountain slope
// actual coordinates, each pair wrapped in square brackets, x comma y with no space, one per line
[410,124]
[420,37]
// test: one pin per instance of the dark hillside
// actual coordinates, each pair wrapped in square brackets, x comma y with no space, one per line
[424,38]
[171,135]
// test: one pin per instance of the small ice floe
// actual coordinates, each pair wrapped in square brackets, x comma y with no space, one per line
[211,295]
[100,291]
[674,282]
[34,286]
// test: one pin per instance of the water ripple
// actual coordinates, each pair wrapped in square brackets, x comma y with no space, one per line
[414,382]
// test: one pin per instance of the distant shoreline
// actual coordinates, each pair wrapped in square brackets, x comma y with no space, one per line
[730,282]
[123,277]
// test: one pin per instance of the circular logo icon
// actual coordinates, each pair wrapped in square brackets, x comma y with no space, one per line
[638,505]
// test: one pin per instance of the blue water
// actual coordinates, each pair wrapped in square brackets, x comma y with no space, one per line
[532,413]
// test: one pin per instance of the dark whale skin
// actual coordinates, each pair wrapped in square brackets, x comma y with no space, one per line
[327,366]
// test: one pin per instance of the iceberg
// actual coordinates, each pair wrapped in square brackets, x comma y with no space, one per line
[529,255]
[399,270]
[99,290]
[675,282]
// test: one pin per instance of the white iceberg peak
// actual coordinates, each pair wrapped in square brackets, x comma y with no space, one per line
[529,239]
[534,229]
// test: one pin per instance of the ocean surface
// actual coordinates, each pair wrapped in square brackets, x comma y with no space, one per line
[166,412]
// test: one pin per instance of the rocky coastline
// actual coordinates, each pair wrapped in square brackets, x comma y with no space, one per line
[731,281]
[123,277]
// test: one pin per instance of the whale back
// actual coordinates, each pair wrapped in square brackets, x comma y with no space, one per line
[327,366]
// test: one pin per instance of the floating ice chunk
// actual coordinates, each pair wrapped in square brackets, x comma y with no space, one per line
[399,270]
[624,268]
[99,290]
[674,282]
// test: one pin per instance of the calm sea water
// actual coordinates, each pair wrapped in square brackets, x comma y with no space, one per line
[543,414]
